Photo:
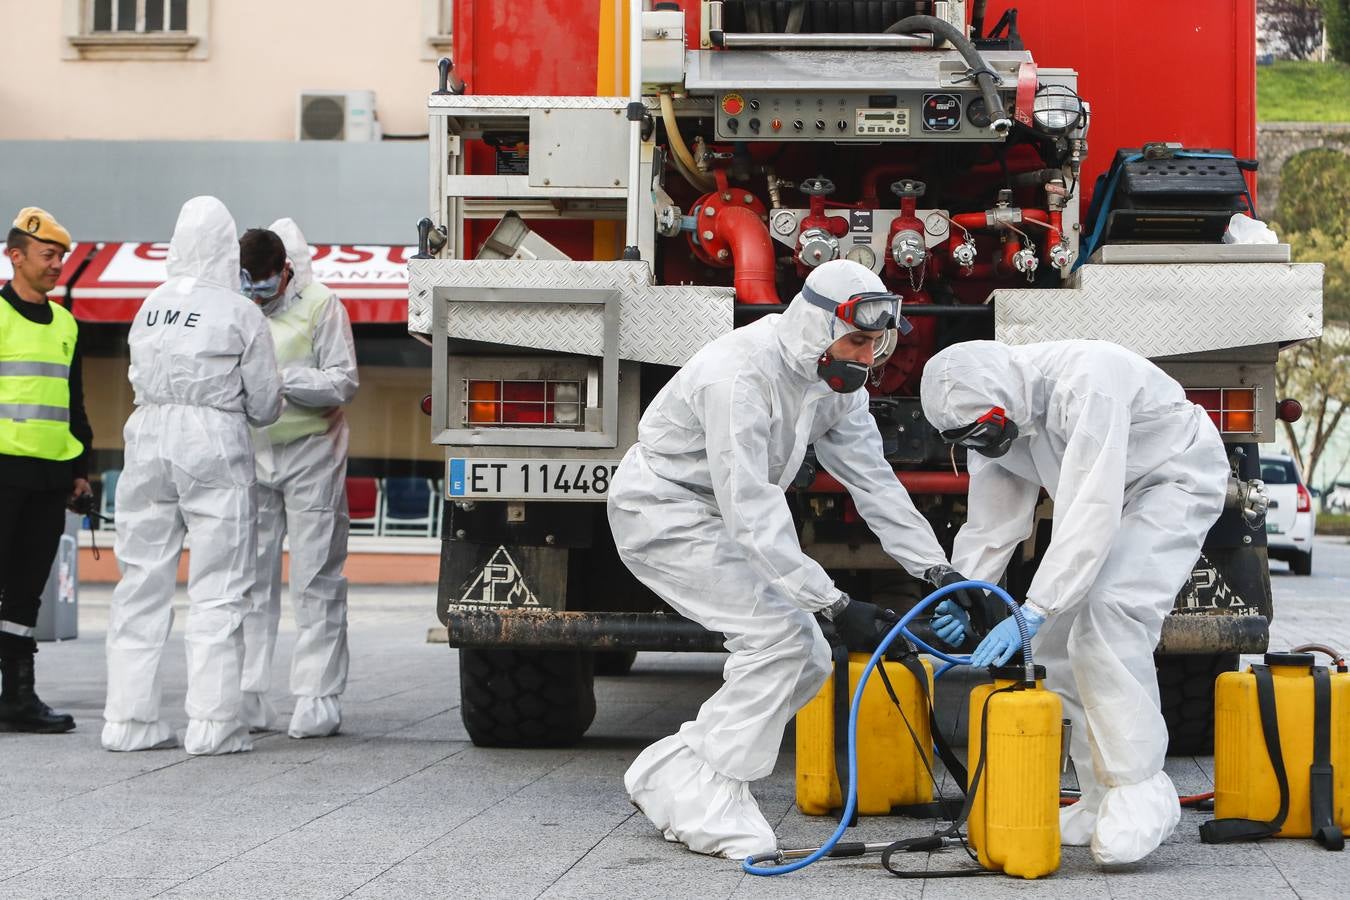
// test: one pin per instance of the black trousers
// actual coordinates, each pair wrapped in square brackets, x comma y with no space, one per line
[31,525]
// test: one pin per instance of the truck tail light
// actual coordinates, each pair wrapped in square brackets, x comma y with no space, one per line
[1232,410]
[522,403]
[1304,499]
[484,402]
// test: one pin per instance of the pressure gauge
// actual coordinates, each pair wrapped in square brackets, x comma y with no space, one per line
[785,222]
[864,255]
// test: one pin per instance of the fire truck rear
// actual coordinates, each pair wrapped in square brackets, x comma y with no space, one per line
[590,231]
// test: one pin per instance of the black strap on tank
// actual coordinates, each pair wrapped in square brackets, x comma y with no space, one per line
[1321,783]
[940,808]
[935,840]
[842,703]
[1228,831]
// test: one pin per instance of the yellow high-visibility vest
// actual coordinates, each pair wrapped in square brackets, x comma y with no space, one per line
[35,384]
[293,335]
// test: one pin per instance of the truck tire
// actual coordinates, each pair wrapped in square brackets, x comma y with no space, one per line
[1301,563]
[613,663]
[525,698]
[1186,684]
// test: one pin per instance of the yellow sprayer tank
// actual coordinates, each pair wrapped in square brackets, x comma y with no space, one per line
[1244,779]
[890,770]
[1014,818]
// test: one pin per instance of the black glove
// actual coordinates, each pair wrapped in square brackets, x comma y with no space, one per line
[862,625]
[970,600]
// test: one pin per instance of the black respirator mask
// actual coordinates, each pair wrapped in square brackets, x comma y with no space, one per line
[842,375]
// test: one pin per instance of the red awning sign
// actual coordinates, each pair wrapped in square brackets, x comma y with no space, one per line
[372,280]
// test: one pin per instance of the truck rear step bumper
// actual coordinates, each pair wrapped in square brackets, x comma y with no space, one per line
[555,630]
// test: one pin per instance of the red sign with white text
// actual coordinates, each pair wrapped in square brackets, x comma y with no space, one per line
[372,280]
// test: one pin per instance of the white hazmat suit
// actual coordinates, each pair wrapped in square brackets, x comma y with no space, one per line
[302,491]
[699,515]
[1137,474]
[203,370]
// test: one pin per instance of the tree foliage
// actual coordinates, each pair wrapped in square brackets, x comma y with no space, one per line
[1337,14]
[1314,220]
[1297,24]
[1318,375]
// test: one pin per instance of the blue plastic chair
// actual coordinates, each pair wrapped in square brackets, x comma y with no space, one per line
[409,506]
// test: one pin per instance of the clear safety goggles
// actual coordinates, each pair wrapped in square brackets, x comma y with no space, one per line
[867,311]
[263,291]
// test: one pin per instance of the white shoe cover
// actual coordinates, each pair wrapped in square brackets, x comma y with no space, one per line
[1077,824]
[316,717]
[1078,821]
[692,804]
[129,736]
[206,737]
[257,711]
[1134,819]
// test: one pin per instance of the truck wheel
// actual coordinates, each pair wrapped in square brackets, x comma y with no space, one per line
[524,698]
[1301,563]
[612,663]
[1187,687]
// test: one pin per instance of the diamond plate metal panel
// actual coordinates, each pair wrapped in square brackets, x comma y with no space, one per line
[658,323]
[1167,310]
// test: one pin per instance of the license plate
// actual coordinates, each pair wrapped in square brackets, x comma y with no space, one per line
[1272,528]
[529,479]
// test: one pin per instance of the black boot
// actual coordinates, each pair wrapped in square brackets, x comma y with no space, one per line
[20,708]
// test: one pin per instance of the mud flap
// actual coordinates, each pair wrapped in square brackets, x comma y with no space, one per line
[501,577]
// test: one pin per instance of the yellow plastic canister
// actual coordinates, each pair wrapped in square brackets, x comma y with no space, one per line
[890,770]
[1244,779]
[1014,818]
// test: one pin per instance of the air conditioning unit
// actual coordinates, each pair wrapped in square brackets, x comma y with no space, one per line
[337,116]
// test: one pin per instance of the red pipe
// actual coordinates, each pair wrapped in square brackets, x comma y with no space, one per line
[914,482]
[872,179]
[751,253]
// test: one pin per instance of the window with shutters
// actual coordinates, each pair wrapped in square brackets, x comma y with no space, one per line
[136,29]
[437,19]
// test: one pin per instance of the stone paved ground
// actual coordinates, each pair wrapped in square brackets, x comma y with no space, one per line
[401,804]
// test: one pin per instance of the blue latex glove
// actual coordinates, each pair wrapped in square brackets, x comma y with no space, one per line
[1004,640]
[950,623]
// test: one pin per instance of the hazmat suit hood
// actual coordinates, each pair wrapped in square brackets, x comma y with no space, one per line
[804,331]
[297,251]
[962,382]
[205,244]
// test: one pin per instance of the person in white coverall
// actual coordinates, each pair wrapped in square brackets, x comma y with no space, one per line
[302,485]
[203,370]
[699,515]
[1138,475]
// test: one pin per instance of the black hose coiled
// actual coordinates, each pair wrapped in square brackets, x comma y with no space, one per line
[984,76]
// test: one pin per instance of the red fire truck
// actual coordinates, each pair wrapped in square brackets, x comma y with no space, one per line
[615,184]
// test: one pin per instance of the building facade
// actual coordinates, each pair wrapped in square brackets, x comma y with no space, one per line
[127,108]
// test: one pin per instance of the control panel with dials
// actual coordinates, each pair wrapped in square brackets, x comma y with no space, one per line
[947,115]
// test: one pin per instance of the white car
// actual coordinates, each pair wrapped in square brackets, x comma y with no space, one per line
[1290,521]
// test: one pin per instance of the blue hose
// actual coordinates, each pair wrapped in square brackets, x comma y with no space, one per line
[899,628]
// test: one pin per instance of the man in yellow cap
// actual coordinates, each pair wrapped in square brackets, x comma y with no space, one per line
[45,441]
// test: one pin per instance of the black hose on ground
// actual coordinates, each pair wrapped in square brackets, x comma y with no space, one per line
[977,20]
[984,76]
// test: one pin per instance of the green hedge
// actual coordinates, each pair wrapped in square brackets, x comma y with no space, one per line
[1333,524]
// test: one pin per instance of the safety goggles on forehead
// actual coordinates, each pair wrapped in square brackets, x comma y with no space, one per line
[867,311]
[991,434]
[262,290]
